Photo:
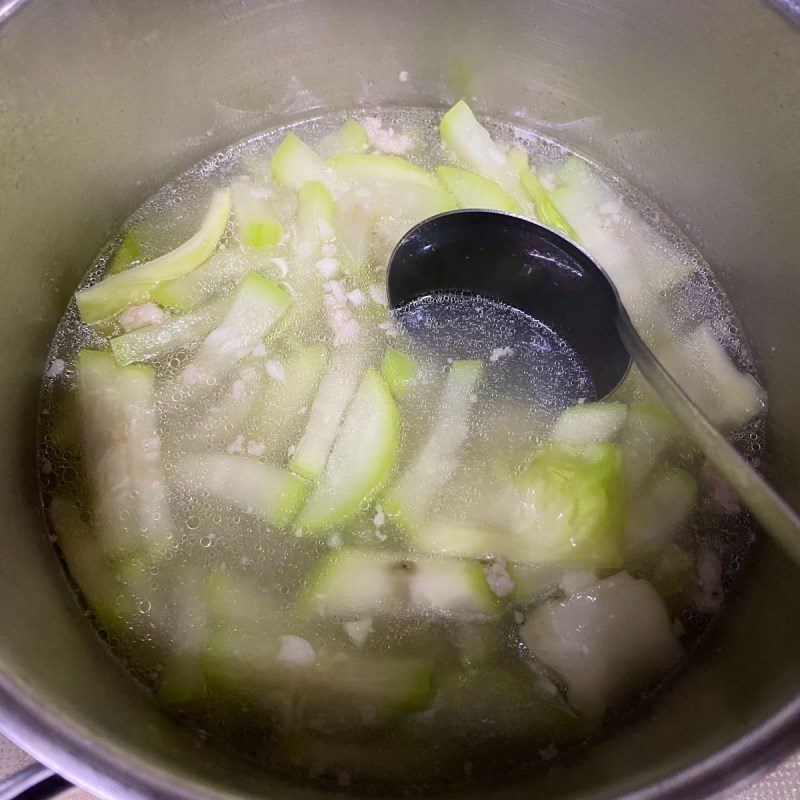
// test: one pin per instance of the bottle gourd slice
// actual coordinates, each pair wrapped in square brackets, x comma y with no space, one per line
[253,487]
[356,583]
[280,410]
[573,505]
[295,163]
[258,228]
[472,144]
[361,457]
[115,293]
[605,642]
[437,460]
[159,340]
[589,422]
[257,305]
[336,390]
[220,273]
[474,191]
[121,454]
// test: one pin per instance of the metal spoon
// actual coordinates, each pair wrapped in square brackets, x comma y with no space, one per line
[536,270]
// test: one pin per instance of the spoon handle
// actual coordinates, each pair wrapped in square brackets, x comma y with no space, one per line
[774,514]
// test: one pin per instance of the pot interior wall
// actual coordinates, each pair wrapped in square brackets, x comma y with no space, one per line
[102,102]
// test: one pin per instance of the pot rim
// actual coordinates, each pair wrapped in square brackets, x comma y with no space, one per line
[105,771]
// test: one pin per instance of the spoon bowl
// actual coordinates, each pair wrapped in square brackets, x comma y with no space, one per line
[525,265]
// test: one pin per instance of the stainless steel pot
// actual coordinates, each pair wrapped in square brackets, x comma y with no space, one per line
[100,102]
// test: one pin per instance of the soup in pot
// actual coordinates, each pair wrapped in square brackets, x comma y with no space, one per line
[363,548]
